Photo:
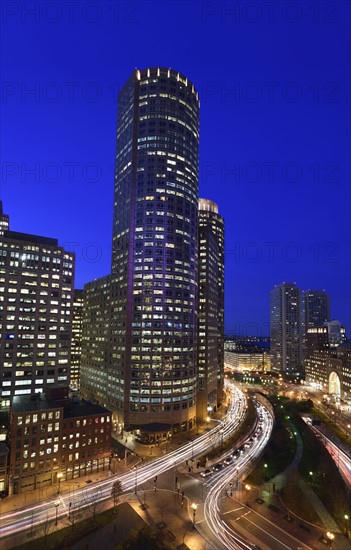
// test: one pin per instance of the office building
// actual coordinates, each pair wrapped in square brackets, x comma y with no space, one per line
[76,342]
[210,309]
[329,370]
[4,221]
[241,361]
[36,295]
[285,330]
[315,308]
[152,370]
[97,376]
[325,337]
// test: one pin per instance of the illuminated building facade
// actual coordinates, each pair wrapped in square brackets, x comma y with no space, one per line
[97,376]
[247,360]
[54,438]
[320,338]
[76,342]
[210,309]
[330,370]
[285,330]
[36,295]
[151,373]
[4,221]
[315,308]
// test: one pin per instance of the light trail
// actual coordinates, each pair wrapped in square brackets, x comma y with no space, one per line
[225,536]
[33,515]
[341,459]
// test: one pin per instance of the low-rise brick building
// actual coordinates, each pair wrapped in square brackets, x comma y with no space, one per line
[54,438]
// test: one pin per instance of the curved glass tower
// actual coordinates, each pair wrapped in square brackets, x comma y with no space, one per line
[154,258]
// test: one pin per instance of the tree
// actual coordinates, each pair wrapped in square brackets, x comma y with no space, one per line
[46,528]
[143,539]
[93,505]
[116,491]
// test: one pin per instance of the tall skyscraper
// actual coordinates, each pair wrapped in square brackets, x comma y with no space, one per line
[285,329]
[315,308]
[76,342]
[97,375]
[152,369]
[315,311]
[36,294]
[210,309]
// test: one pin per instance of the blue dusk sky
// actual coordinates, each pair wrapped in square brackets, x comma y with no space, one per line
[274,85]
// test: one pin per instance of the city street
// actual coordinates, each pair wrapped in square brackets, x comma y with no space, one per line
[59,509]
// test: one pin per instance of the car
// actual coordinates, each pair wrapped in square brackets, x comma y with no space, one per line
[206,473]
[236,454]
[228,460]
[217,467]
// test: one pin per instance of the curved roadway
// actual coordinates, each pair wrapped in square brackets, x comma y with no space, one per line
[225,536]
[33,515]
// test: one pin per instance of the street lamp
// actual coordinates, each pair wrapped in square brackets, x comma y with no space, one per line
[57,504]
[194,507]
[59,477]
[248,489]
[265,471]
[136,479]
[346,518]
[330,537]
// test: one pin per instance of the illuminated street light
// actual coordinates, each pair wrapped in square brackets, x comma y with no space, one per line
[57,504]
[248,489]
[265,471]
[194,507]
[330,537]
[346,518]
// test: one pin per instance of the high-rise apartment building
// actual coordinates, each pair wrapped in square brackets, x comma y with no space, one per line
[210,309]
[36,295]
[285,329]
[152,369]
[76,342]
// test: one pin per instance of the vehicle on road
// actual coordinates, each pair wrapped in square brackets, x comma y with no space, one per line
[206,473]
[217,467]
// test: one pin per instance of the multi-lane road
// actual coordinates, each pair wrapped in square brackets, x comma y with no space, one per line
[340,455]
[228,521]
[40,513]
[224,533]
